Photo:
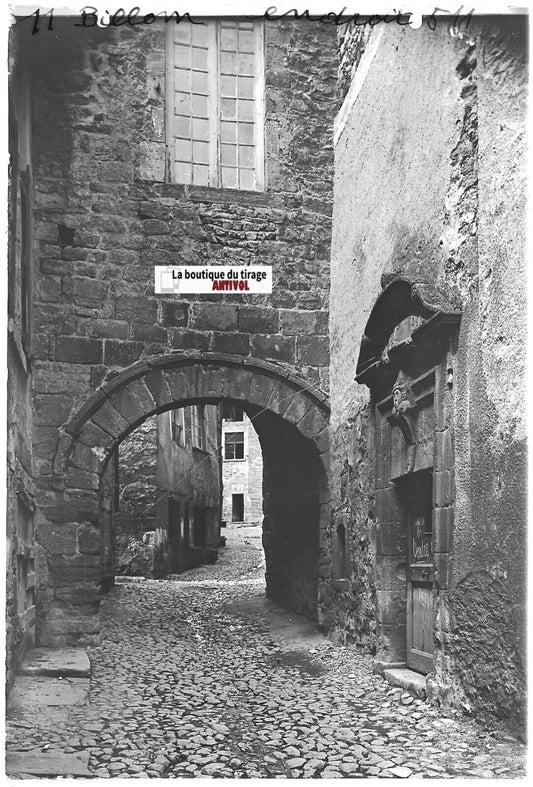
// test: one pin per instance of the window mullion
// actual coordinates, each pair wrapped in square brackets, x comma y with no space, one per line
[170,108]
[259,106]
[213,103]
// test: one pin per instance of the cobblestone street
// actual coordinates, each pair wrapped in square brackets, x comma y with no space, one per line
[200,676]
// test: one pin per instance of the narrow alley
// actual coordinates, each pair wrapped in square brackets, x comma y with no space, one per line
[201,677]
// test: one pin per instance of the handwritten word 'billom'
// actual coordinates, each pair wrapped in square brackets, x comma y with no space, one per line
[92,17]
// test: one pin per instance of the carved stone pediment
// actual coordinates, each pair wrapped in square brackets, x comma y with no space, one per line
[410,317]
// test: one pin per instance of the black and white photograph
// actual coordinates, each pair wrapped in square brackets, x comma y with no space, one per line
[266,434]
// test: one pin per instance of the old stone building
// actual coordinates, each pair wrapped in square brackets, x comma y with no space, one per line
[427,357]
[189,484]
[389,159]
[110,203]
[167,515]
[242,469]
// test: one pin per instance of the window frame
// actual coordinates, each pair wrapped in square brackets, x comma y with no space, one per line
[198,428]
[234,444]
[177,422]
[214,99]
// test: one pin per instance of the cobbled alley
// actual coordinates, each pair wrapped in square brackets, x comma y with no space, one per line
[202,677]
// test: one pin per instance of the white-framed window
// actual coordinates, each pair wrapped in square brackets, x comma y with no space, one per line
[198,426]
[215,104]
[234,445]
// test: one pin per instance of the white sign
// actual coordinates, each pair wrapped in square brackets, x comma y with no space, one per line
[192,279]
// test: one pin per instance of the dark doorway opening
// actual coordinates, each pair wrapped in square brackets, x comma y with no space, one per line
[237,508]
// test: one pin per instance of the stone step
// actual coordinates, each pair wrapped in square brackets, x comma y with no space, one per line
[407,679]
[63,662]
[35,693]
[54,763]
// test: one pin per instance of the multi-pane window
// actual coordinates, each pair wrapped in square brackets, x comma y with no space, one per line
[234,445]
[177,425]
[215,116]
[198,426]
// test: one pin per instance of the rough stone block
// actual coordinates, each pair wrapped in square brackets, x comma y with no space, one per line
[388,505]
[74,507]
[75,569]
[118,353]
[238,343]
[156,227]
[78,349]
[237,383]
[136,308]
[443,529]
[51,409]
[85,291]
[214,316]
[158,386]
[261,389]
[108,329]
[93,436]
[134,402]
[274,347]
[257,319]
[297,322]
[82,479]
[444,450]
[312,423]
[45,440]
[390,573]
[443,569]
[298,406]
[178,386]
[442,488]
[312,350]
[189,340]
[390,538]
[89,540]
[57,539]
[54,319]
[61,378]
[86,459]
[110,420]
[391,606]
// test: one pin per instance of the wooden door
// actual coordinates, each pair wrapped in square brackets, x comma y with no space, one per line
[174,537]
[420,575]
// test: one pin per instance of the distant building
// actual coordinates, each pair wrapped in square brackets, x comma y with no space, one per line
[188,480]
[242,469]
[169,483]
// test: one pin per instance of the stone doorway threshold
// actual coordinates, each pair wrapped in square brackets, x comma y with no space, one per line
[413,682]
[48,684]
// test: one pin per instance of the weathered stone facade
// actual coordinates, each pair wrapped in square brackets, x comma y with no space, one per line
[105,215]
[429,235]
[448,211]
[189,492]
[242,476]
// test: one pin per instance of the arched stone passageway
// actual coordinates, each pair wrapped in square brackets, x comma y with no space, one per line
[291,419]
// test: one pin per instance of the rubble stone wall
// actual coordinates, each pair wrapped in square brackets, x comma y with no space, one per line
[435,139]
[104,216]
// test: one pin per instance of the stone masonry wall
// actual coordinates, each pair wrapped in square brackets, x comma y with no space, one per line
[243,476]
[435,139]
[137,471]
[105,216]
